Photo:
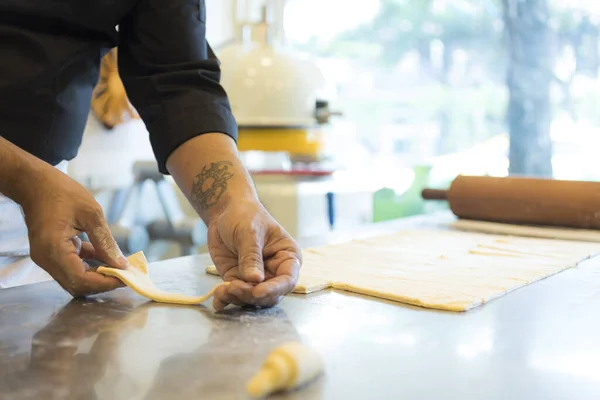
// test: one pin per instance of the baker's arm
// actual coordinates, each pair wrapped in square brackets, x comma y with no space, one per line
[171,75]
[15,166]
[209,172]
[172,78]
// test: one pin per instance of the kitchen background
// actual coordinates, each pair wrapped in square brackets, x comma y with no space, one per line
[418,92]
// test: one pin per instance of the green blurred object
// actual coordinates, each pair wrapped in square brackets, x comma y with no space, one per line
[389,205]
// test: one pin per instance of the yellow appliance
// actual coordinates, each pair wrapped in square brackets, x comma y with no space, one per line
[278,99]
[275,94]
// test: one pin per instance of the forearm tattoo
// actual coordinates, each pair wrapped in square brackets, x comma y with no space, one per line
[210,184]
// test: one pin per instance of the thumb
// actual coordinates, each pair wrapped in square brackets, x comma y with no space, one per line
[105,246]
[250,258]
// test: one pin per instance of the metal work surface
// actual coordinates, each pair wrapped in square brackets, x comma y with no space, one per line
[539,342]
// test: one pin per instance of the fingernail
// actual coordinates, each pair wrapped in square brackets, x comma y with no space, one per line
[123,262]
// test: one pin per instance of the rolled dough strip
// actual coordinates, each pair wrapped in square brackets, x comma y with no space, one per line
[496,228]
[137,278]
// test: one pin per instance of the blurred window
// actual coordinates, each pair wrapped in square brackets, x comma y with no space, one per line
[465,86]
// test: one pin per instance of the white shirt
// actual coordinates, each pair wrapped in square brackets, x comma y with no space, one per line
[17,270]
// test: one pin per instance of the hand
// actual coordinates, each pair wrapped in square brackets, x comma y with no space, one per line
[56,210]
[248,247]
[253,252]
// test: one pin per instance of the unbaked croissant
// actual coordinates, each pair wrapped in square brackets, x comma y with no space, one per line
[109,99]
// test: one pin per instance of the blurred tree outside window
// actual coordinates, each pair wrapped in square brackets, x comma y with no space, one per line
[467,86]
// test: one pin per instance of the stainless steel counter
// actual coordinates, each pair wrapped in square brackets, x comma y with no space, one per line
[539,342]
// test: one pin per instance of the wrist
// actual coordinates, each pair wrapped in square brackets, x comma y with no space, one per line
[17,168]
[245,201]
[25,182]
[208,170]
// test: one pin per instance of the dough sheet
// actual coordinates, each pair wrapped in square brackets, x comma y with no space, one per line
[445,270]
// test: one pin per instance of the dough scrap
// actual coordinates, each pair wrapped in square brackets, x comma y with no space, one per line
[137,278]
[288,367]
[445,270]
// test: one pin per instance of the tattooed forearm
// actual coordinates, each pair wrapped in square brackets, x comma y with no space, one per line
[210,184]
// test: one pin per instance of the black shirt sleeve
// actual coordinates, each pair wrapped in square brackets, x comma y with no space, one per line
[172,75]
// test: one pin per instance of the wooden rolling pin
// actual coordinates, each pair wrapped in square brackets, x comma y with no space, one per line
[516,200]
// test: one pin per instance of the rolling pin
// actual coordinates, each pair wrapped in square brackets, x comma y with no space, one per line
[518,200]
[287,367]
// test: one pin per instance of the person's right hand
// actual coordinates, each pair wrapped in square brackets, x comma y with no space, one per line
[56,210]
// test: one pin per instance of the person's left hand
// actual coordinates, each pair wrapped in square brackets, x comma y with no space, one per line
[253,252]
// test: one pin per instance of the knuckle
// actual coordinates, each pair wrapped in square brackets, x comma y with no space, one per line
[298,256]
[229,274]
[247,228]
[94,213]
[104,238]
[251,258]
[295,251]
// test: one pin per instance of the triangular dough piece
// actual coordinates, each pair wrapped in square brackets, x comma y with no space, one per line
[137,278]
